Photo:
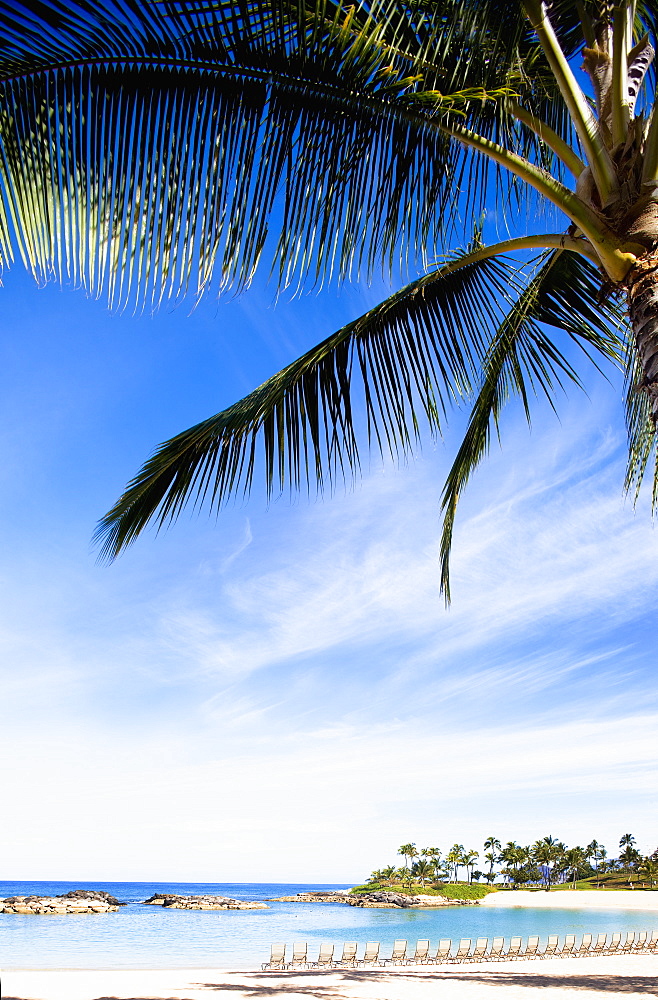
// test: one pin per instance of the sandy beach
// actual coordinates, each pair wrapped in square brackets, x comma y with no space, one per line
[554,979]
[634,899]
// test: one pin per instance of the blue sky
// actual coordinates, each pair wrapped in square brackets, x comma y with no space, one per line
[280,694]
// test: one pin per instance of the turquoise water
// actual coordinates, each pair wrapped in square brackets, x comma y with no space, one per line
[149,937]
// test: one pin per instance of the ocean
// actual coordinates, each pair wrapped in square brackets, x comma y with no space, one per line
[150,937]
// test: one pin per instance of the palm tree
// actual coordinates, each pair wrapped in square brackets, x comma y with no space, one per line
[575,858]
[455,857]
[409,852]
[599,856]
[626,840]
[469,858]
[433,855]
[491,858]
[388,873]
[152,149]
[422,870]
[649,868]
[547,852]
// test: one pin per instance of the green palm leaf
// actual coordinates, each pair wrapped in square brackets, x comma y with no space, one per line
[523,361]
[410,358]
[148,149]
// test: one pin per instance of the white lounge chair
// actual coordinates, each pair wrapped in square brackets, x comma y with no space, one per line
[348,958]
[585,945]
[325,957]
[652,943]
[371,954]
[615,943]
[551,946]
[299,955]
[568,946]
[442,953]
[497,950]
[628,943]
[599,946]
[479,951]
[531,947]
[640,942]
[420,956]
[399,953]
[462,951]
[514,949]
[277,957]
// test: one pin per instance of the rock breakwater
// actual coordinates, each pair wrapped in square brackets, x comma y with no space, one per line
[381,899]
[174,902]
[337,896]
[76,901]
[375,900]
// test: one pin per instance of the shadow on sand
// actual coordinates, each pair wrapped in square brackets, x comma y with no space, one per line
[298,982]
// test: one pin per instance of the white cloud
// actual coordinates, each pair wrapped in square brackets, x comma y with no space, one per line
[298,701]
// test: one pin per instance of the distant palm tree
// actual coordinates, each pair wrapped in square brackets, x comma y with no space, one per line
[422,871]
[649,867]
[492,859]
[574,859]
[433,855]
[626,840]
[409,852]
[547,852]
[468,860]
[630,857]
[599,857]
[454,857]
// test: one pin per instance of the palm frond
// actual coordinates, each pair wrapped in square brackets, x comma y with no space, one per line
[408,359]
[641,430]
[523,361]
[151,148]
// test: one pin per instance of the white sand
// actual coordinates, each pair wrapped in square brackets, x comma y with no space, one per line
[603,978]
[629,899]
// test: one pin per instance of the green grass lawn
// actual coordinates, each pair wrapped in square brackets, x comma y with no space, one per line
[607,883]
[450,890]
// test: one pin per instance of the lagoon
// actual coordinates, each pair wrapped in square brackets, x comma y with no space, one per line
[148,937]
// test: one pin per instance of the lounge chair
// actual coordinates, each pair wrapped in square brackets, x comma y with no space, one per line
[462,951]
[277,957]
[551,946]
[640,942]
[299,955]
[568,946]
[497,950]
[531,947]
[652,943]
[420,956]
[599,946]
[399,953]
[479,950]
[325,957]
[628,943]
[371,954]
[349,954]
[585,945]
[514,948]
[442,953]
[615,943]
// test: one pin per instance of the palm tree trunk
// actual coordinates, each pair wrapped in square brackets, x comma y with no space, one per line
[642,286]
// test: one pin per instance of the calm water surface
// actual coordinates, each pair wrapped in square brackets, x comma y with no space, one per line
[150,937]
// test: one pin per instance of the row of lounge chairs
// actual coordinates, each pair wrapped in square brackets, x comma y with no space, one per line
[642,942]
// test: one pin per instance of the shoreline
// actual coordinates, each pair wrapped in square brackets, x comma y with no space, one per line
[602,977]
